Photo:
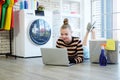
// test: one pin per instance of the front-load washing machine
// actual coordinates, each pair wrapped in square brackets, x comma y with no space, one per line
[31,33]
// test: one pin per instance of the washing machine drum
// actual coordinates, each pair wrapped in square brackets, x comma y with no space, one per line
[40,32]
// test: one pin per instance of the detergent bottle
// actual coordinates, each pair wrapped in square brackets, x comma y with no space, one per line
[25,4]
[102,57]
[21,4]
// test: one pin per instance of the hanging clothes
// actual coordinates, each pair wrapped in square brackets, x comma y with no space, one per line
[12,20]
[4,7]
[1,3]
[8,16]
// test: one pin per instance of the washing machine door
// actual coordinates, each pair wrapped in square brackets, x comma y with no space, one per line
[40,32]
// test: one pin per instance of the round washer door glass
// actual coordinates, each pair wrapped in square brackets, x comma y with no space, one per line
[40,32]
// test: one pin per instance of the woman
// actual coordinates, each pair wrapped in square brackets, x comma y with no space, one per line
[73,44]
[75,47]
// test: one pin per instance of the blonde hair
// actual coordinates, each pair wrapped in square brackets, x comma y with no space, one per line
[66,24]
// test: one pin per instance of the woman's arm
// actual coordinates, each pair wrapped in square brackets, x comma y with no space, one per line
[60,43]
[79,57]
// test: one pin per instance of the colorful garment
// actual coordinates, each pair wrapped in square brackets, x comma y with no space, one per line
[4,7]
[9,16]
[1,3]
[12,21]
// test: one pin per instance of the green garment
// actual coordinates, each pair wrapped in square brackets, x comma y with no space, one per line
[4,7]
[1,3]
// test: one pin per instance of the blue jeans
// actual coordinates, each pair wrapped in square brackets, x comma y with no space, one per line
[86,53]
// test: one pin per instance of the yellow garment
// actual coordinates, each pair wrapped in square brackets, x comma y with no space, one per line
[8,16]
[110,45]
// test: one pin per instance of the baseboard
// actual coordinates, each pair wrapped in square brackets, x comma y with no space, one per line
[28,57]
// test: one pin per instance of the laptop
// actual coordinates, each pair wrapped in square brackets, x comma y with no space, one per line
[55,56]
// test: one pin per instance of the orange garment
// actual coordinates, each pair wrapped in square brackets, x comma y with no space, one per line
[8,16]
[1,3]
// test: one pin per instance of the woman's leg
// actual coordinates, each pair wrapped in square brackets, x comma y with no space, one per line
[85,39]
[85,47]
[93,34]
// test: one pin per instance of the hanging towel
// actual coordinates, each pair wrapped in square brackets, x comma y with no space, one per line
[110,45]
[4,7]
[12,21]
[1,3]
[8,16]
[15,1]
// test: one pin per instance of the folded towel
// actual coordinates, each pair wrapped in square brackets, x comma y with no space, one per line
[110,44]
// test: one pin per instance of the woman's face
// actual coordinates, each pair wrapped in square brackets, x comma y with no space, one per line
[66,35]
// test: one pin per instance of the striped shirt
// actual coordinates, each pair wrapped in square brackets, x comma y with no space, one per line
[75,50]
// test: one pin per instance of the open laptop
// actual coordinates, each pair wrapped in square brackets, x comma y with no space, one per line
[55,56]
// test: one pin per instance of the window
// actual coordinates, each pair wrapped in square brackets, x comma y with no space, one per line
[106,13]
[96,16]
[116,19]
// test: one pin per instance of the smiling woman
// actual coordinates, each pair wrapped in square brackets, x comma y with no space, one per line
[73,44]
[77,49]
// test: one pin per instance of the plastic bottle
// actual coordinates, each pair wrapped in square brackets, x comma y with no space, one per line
[102,57]
[25,4]
[21,4]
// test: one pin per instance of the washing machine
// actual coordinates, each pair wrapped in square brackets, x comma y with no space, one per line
[32,32]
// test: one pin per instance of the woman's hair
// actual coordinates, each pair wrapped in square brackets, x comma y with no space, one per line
[65,24]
